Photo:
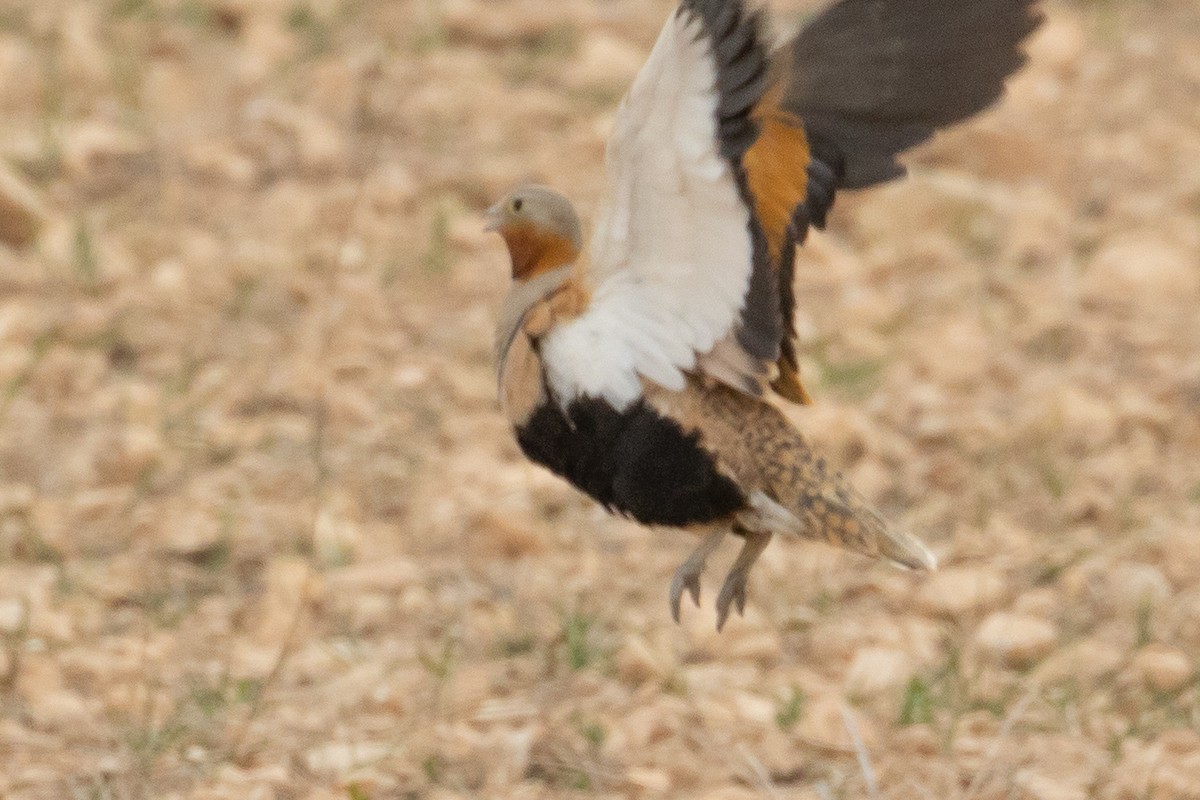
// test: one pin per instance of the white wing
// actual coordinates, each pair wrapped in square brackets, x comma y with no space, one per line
[672,253]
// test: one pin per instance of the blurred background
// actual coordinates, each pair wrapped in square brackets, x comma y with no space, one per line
[264,534]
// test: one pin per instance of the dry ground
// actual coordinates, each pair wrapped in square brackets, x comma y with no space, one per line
[263,533]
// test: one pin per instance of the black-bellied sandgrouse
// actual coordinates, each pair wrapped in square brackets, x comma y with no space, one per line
[642,373]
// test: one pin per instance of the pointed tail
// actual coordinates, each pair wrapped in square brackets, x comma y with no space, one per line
[804,497]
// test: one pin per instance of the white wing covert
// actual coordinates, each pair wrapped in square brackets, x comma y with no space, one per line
[674,247]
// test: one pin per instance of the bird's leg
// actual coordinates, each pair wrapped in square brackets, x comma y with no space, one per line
[689,572]
[733,591]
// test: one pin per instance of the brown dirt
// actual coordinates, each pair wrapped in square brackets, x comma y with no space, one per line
[263,533]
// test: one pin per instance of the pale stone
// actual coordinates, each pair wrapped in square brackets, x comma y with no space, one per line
[761,646]
[508,754]
[918,740]
[469,686]
[267,44]
[16,499]
[486,24]
[1142,269]
[370,613]
[18,60]
[95,505]
[85,59]
[637,662]
[1060,42]
[1081,415]
[1131,587]
[22,212]
[219,160]
[1005,535]
[606,60]
[1035,786]
[383,576]
[292,587]
[646,781]
[111,259]
[172,93]
[126,460]
[191,532]
[824,725]
[877,670]
[63,709]
[391,187]
[957,355]
[1163,768]
[750,637]
[961,591]
[14,360]
[1039,233]
[1163,668]
[1040,602]
[1088,659]
[322,144]
[753,708]
[143,406]
[319,144]
[341,757]
[14,615]
[744,793]
[639,727]
[511,534]
[40,674]
[95,146]
[337,532]
[1016,640]
[1180,741]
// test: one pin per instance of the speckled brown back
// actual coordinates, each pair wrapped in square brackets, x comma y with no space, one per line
[764,452]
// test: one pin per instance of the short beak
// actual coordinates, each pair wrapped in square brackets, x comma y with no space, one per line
[494,218]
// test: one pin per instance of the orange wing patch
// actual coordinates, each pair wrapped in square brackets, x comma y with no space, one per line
[788,384]
[777,173]
[776,170]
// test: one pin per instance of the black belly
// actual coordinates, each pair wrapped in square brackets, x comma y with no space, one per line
[635,462]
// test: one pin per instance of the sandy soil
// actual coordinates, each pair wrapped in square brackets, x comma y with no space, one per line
[263,533]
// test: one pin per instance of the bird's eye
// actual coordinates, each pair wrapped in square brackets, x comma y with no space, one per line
[516,205]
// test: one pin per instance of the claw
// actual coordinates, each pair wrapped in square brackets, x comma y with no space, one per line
[733,591]
[680,582]
[689,572]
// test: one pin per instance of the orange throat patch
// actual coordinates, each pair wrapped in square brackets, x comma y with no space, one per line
[535,251]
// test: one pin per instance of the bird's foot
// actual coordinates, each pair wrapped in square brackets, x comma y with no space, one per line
[687,577]
[733,591]
[684,579]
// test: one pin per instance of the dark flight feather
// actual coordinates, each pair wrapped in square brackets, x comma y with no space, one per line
[872,78]
[742,63]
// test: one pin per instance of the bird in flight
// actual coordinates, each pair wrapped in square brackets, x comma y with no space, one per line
[643,372]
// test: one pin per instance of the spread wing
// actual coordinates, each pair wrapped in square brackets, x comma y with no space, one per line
[872,78]
[723,157]
[681,269]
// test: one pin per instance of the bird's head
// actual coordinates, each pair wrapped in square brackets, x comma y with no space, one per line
[540,227]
